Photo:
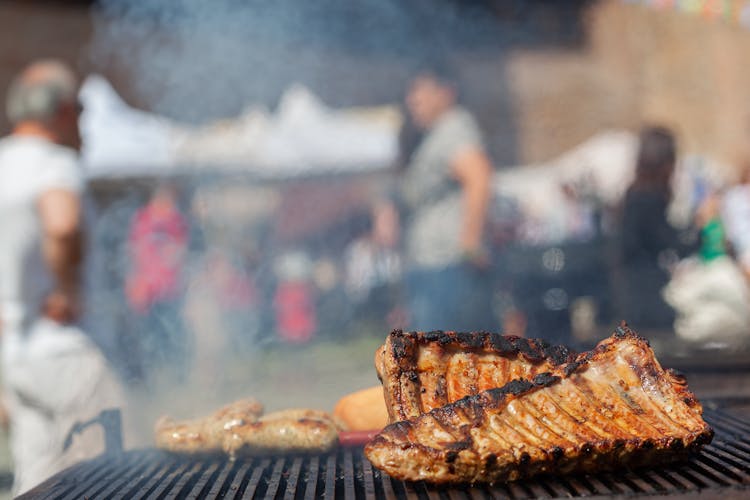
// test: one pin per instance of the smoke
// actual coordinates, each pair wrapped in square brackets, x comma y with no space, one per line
[197,60]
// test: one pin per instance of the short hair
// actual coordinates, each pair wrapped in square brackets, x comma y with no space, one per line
[39,90]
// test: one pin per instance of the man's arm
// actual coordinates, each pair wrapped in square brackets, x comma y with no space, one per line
[473,170]
[60,212]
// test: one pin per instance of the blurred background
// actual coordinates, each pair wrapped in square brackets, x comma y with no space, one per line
[271,139]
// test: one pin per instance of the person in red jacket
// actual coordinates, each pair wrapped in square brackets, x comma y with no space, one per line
[294,301]
[158,243]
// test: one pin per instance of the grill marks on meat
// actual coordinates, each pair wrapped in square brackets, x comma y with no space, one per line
[421,371]
[612,407]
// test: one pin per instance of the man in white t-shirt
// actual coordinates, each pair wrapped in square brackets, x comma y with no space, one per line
[53,374]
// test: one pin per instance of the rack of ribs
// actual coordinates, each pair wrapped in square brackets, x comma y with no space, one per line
[614,406]
[421,371]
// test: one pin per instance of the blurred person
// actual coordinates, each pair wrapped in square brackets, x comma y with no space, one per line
[54,376]
[222,318]
[158,242]
[735,212]
[294,301]
[709,292]
[373,267]
[650,245]
[238,299]
[444,191]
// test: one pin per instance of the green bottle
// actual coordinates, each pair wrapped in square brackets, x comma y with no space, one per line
[712,241]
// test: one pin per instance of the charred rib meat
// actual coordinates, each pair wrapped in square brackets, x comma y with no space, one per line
[421,371]
[612,407]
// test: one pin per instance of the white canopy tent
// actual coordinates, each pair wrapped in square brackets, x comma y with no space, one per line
[121,141]
[303,137]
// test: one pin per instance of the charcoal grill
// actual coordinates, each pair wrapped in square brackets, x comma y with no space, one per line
[722,468]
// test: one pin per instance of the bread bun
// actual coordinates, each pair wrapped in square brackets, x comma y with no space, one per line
[363,410]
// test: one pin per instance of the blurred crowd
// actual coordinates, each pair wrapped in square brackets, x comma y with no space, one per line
[165,288]
[430,245]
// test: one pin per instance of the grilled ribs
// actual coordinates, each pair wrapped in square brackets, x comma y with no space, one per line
[421,371]
[612,407]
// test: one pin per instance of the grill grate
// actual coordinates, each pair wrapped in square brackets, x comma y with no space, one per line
[723,465]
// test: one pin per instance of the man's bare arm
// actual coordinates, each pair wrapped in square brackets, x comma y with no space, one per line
[473,170]
[60,212]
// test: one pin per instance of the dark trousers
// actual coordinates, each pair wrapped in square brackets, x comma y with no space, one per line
[643,305]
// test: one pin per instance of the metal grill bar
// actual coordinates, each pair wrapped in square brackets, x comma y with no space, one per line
[108,490]
[310,479]
[723,465]
[223,478]
[203,481]
[291,482]
[151,471]
[152,481]
[330,477]
[369,484]
[251,486]
[272,486]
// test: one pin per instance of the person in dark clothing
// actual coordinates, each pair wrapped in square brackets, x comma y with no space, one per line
[649,243]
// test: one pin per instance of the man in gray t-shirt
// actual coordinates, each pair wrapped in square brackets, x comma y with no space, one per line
[445,190]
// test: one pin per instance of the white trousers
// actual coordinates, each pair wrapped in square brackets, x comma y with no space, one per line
[54,376]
